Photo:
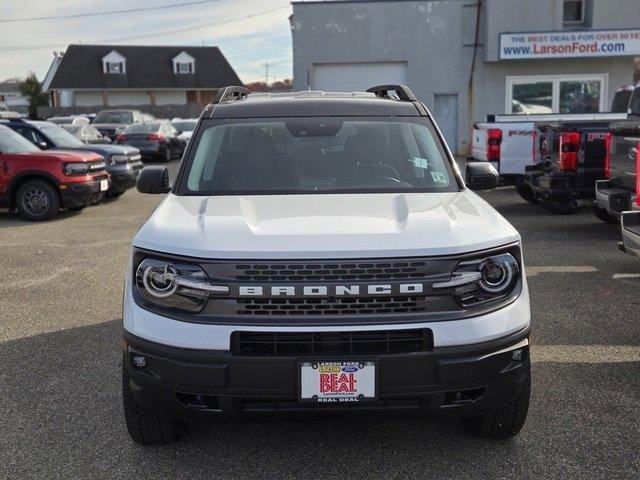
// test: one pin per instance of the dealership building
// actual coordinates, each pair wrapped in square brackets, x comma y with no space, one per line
[469,58]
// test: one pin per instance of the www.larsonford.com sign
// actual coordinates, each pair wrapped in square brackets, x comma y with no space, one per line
[591,43]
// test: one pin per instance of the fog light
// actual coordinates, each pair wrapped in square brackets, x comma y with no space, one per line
[139,361]
[518,354]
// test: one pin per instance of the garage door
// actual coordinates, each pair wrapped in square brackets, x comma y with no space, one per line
[354,77]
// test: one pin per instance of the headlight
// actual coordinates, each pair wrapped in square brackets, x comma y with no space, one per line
[118,159]
[483,280]
[76,168]
[175,285]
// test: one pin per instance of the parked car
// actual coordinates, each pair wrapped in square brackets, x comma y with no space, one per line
[571,161]
[6,113]
[506,141]
[618,192]
[630,229]
[37,184]
[63,120]
[112,122]
[321,250]
[122,162]
[156,140]
[185,127]
[86,134]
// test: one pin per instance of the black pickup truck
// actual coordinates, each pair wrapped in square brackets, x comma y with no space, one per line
[571,160]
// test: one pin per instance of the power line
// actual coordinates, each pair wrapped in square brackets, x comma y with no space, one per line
[109,12]
[147,35]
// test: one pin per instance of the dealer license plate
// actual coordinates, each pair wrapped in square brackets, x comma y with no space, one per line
[104,185]
[333,382]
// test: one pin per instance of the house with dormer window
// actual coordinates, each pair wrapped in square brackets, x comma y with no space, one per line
[125,75]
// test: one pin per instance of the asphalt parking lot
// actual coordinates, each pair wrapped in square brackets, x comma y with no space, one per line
[60,407]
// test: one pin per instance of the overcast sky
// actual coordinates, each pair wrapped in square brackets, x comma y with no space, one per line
[246,42]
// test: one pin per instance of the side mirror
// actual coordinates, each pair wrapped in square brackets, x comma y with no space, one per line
[153,179]
[43,145]
[482,176]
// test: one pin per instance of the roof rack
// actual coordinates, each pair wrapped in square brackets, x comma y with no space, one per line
[402,92]
[231,94]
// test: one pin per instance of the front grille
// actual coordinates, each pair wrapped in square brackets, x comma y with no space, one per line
[331,306]
[96,166]
[332,271]
[378,342]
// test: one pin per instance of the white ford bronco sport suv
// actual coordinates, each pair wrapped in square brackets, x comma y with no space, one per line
[321,252]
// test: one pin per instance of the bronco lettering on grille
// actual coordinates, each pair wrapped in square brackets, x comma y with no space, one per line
[330,290]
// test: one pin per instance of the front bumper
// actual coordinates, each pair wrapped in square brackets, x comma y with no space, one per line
[81,194]
[123,176]
[460,381]
[630,228]
[613,200]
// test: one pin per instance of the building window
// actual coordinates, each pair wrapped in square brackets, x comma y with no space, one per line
[557,94]
[573,12]
[184,67]
[114,67]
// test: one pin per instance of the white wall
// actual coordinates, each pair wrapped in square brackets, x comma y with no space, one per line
[171,97]
[82,99]
[128,98]
[355,77]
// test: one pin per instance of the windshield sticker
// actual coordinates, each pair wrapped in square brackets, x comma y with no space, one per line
[420,162]
[439,177]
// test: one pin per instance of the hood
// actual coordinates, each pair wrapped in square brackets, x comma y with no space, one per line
[66,155]
[324,226]
[107,149]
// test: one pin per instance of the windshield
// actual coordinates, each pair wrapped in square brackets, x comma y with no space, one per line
[142,128]
[74,129]
[60,137]
[12,142]
[113,117]
[184,126]
[317,155]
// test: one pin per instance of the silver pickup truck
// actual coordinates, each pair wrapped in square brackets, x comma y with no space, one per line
[618,197]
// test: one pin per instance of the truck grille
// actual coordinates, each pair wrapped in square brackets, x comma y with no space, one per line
[332,271]
[331,343]
[331,306]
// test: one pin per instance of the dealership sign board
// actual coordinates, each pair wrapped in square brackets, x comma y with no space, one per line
[587,43]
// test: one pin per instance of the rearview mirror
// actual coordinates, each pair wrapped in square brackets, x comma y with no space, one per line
[153,179]
[482,176]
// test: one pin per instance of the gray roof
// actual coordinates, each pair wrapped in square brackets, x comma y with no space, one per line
[9,87]
[146,67]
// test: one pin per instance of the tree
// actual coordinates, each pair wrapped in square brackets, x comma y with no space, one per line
[31,89]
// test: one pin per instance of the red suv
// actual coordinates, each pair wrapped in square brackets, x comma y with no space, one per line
[38,183]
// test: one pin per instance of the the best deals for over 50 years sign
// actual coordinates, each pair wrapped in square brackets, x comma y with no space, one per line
[589,43]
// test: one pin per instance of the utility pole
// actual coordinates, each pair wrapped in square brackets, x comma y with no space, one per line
[266,73]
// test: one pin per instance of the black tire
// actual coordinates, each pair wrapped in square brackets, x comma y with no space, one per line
[76,209]
[505,421]
[560,207]
[37,200]
[526,192]
[605,216]
[144,425]
[167,154]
